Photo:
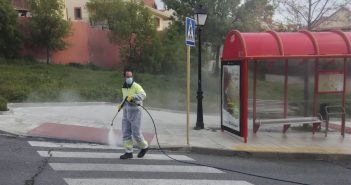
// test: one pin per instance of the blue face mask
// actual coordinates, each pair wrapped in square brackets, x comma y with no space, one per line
[129,80]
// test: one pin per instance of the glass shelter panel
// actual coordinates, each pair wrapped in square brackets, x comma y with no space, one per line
[283,88]
[268,102]
[300,90]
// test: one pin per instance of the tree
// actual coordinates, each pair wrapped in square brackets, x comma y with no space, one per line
[172,49]
[217,24]
[304,14]
[254,15]
[47,26]
[10,37]
[221,14]
[133,28]
[224,15]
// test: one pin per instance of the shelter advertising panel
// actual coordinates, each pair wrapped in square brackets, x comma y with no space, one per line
[231,98]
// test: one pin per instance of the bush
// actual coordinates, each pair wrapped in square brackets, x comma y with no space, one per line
[76,65]
[93,66]
[3,104]
[14,93]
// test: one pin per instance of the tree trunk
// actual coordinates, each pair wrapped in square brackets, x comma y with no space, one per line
[47,55]
[306,75]
[216,67]
[130,51]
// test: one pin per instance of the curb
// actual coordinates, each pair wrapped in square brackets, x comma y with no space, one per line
[250,154]
[212,151]
[51,104]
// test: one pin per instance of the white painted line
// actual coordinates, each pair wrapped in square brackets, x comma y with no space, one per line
[70,145]
[153,182]
[101,155]
[132,168]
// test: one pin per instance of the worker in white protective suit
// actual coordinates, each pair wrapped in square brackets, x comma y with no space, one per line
[134,95]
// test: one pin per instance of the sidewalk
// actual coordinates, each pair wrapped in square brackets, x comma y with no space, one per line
[90,122]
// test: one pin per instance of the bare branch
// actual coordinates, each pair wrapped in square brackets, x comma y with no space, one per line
[322,12]
[309,11]
[315,5]
[316,2]
[297,10]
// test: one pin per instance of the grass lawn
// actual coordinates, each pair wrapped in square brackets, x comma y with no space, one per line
[29,81]
[24,81]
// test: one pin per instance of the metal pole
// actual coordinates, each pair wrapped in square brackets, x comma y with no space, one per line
[199,120]
[286,88]
[244,97]
[187,94]
[254,96]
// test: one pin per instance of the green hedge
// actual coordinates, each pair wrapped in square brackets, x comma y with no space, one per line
[3,104]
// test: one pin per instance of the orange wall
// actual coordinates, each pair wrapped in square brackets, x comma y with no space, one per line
[77,50]
[85,44]
[102,52]
[88,44]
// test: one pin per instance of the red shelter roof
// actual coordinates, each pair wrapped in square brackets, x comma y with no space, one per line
[270,44]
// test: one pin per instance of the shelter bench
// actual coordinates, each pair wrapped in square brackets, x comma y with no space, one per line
[315,121]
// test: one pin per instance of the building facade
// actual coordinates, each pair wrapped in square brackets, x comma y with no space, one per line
[76,10]
[22,7]
[340,20]
[86,43]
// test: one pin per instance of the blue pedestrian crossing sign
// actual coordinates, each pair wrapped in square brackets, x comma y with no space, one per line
[190,31]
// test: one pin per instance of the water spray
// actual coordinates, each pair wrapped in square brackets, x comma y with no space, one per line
[120,108]
[111,139]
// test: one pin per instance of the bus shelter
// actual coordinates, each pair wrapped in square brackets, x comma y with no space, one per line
[309,66]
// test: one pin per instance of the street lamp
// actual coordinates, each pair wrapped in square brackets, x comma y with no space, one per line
[200,18]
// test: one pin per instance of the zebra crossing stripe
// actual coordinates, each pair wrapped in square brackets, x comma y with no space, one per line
[70,145]
[101,155]
[132,168]
[153,182]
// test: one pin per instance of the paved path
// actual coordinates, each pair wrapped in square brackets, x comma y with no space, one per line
[91,122]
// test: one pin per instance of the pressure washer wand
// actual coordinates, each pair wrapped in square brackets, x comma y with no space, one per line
[120,108]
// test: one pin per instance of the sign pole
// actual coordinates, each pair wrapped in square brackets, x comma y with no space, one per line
[187,92]
[189,42]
